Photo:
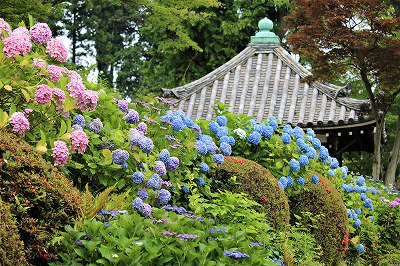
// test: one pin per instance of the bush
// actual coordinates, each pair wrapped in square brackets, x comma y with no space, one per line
[41,199]
[261,187]
[11,247]
[324,202]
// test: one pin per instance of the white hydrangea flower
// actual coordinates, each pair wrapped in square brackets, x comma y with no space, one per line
[240,132]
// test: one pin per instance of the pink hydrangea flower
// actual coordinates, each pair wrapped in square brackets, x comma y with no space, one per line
[43,94]
[55,72]
[28,110]
[60,153]
[76,89]
[79,141]
[17,43]
[4,26]
[39,63]
[40,33]
[21,30]
[73,75]
[56,49]
[59,96]
[88,100]
[19,123]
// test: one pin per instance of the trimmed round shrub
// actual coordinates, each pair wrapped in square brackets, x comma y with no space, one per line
[260,185]
[11,247]
[326,205]
[41,199]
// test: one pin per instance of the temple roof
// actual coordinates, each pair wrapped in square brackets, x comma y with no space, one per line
[264,80]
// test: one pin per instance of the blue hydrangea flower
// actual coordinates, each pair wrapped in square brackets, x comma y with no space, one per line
[268,132]
[331,173]
[309,138]
[273,123]
[201,181]
[373,191]
[363,196]
[135,136]
[294,165]
[368,204]
[146,145]
[310,132]
[154,182]
[204,167]
[95,126]
[172,164]
[231,141]
[226,149]
[289,181]
[334,163]
[344,170]
[323,153]
[164,196]
[357,223]
[224,139]
[316,143]
[360,248]
[298,133]
[286,138]
[358,211]
[160,168]
[143,194]
[303,160]
[132,117]
[80,120]
[356,189]
[283,182]
[311,153]
[185,189]
[363,189]
[137,204]
[177,123]
[288,129]
[201,147]
[348,213]
[218,158]
[360,181]
[213,126]
[301,181]
[120,156]
[138,178]
[222,131]
[372,218]
[221,120]
[164,155]
[314,179]
[254,138]
[347,188]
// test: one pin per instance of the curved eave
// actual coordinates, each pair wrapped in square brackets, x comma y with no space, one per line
[353,125]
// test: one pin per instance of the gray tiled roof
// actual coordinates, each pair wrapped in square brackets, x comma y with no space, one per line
[262,81]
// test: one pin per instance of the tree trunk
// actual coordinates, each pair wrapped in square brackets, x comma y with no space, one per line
[377,158]
[394,157]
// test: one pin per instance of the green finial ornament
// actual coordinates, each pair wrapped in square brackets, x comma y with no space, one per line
[265,35]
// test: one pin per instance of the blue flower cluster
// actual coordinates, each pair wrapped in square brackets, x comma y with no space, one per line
[80,120]
[132,117]
[143,194]
[218,158]
[303,160]
[254,138]
[120,157]
[314,179]
[201,181]
[204,167]
[146,145]
[360,248]
[179,120]
[164,155]
[283,182]
[294,165]
[301,181]
[221,120]
[226,149]
[138,178]
[137,204]
[185,189]
[164,196]
[235,254]
[172,164]
[286,138]
[154,182]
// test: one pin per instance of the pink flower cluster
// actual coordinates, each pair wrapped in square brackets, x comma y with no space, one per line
[88,100]
[59,96]
[73,75]
[60,153]
[39,63]
[18,43]
[41,33]
[4,26]
[43,94]
[79,141]
[76,88]
[21,30]
[56,49]
[391,204]
[19,122]
[55,72]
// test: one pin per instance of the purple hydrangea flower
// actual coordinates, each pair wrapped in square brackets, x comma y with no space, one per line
[143,194]
[135,137]
[154,182]
[160,168]
[132,117]
[146,210]
[236,254]
[142,127]
[172,164]
[120,156]
[95,126]
[123,105]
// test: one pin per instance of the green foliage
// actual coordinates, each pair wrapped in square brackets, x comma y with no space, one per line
[130,239]
[325,204]
[15,11]
[11,247]
[259,184]
[40,198]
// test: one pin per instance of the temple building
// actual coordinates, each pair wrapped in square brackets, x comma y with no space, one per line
[264,80]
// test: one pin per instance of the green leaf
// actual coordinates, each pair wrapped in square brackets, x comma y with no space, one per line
[12,109]
[63,128]
[26,95]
